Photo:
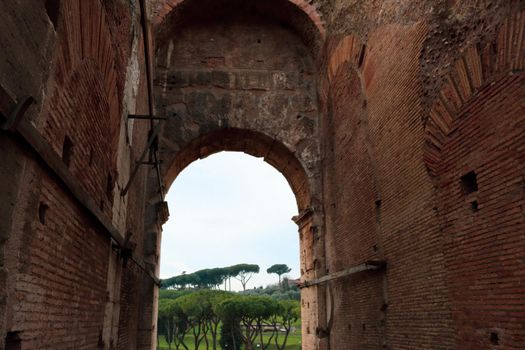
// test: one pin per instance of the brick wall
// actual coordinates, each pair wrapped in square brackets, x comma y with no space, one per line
[65,284]
[350,213]
[448,283]
[60,288]
[420,122]
[484,227]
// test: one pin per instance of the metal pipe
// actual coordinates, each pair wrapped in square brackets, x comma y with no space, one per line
[145,116]
[151,107]
[147,50]
[369,265]
[151,140]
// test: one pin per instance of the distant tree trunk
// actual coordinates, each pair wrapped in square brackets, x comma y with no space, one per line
[233,336]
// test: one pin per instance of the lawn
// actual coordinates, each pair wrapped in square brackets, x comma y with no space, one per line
[293,343]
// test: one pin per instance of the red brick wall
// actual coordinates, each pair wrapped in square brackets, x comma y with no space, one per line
[418,314]
[58,293]
[61,286]
[485,246]
[453,278]
[351,237]
[80,112]
[377,154]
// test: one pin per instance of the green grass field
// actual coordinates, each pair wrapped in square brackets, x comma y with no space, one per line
[293,343]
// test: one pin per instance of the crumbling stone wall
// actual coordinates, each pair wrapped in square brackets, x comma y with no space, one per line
[399,126]
[245,83]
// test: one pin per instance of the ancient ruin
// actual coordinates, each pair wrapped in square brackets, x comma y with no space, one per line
[400,126]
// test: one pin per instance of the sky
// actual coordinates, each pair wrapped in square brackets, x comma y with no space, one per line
[227,209]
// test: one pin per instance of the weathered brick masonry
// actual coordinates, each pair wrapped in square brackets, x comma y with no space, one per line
[400,127]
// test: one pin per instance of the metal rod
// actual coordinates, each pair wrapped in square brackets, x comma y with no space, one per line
[369,265]
[142,266]
[146,116]
[148,163]
[159,177]
[151,140]
[149,77]
[147,50]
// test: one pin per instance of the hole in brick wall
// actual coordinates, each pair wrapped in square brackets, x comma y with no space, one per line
[494,48]
[479,47]
[350,327]
[374,247]
[42,211]
[91,157]
[67,151]
[361,56]
[378,211]
[364,327]
[109,186]
[258,41]
[494,338]
[101,344]
[474,206]
[13,341]
[469,183]
[53,10]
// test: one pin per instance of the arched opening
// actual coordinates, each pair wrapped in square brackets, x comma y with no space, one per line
[229,209]
[249,142]
[301,180]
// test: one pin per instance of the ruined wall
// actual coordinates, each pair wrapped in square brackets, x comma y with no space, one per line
[394,157]
[245,82]
[399,126]
[244,73]
[62,274]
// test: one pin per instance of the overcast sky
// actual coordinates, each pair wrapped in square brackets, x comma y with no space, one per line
[227,209]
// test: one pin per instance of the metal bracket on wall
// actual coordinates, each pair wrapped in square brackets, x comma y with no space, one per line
[151,142]
[369,265]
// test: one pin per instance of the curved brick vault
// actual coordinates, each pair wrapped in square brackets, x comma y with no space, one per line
[478,67]
[299,15]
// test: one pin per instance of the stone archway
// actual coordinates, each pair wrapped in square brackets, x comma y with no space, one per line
[246,82]
[303,183]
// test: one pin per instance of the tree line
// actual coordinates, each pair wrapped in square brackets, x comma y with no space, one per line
[213,318]
[215,277]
